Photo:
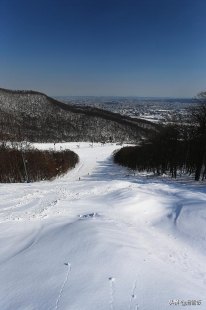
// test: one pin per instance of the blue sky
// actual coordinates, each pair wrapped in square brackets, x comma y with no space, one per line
[87,47]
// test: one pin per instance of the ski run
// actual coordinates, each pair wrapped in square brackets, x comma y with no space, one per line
[100,238]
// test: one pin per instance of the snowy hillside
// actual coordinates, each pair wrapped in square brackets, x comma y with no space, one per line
[33,116]
[101,238]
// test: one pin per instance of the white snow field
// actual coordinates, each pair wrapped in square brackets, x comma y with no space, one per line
[109,241]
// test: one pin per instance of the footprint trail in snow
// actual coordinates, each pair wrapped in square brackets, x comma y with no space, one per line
[112,292]
[68,266]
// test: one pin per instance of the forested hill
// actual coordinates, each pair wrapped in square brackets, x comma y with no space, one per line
[33,116]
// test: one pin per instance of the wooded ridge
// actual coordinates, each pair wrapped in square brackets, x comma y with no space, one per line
[33,116]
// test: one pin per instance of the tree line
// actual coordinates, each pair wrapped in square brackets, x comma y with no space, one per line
[177,148]
[29,165]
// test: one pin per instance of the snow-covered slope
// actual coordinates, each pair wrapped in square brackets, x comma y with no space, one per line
[98,238]
[33,116]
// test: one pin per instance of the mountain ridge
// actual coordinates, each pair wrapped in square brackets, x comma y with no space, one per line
[34,116]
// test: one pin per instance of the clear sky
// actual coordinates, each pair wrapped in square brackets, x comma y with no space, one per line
[104,47]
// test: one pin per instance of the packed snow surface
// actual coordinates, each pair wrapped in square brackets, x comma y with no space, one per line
[100,238]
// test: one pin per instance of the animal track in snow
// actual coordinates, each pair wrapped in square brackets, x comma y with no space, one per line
[112,292]
[133,296]
[68,265]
